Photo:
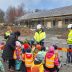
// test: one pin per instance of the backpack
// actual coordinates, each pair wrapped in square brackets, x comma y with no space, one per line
[35,69]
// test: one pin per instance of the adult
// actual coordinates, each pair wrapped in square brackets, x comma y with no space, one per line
[69,42]
[9,49]
[40,35]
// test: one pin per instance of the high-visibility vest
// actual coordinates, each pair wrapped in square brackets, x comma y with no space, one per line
[28,61]
[7,33]
[39,36]
[50,62]
[69,40]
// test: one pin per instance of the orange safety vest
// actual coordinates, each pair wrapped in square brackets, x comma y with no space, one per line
[50,62]
[28,61]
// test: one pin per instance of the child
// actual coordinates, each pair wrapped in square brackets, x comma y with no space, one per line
[28,59]
[57,55]
[56,50]
[36,50]
[41,55]
[26,46]
[18,55]
[51,61]
[1,51]
[37,65]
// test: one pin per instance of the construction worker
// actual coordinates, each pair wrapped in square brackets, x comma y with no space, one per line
[69,41]
[40,35]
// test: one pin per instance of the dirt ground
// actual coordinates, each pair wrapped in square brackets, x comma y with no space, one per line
[53,37]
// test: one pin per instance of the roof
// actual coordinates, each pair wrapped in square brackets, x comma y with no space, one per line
[49,13]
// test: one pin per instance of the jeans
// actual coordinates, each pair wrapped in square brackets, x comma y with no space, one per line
[69,55]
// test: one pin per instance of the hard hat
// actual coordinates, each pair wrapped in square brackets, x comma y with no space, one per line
[39,26]
[69,26]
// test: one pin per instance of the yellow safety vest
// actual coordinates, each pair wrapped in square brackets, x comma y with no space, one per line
[39,36]
[7,33]
[50,62]
[28,61]
[40,66]
[69,40]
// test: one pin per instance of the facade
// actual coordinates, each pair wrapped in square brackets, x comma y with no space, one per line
[54,18]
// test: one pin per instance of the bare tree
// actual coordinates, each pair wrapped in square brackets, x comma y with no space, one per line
[20,10]
[1,16]
[12,13]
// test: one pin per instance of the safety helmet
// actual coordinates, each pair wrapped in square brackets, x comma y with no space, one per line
[69,26]
[39,26]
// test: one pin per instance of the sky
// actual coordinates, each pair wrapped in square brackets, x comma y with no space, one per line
[35,4]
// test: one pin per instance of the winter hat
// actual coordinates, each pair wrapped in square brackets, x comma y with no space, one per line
[18,43]
[38,46]
[55,46]
[26,45]
[17,33]
[51,49]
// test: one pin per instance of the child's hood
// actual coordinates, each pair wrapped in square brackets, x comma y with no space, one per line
[49,55]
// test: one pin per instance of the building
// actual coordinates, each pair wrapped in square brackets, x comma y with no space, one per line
[54,18]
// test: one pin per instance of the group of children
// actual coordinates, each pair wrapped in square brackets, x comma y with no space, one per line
[32,58]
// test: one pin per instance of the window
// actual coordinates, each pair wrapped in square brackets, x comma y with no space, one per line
[54,23]
[66,21]
[70,20]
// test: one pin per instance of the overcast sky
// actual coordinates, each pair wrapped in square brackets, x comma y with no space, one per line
[35,4]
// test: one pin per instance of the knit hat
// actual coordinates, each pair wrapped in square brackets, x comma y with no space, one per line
[26,45]
[55,46]
[18,43]
[17,33]
[51,49]
[38,46]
